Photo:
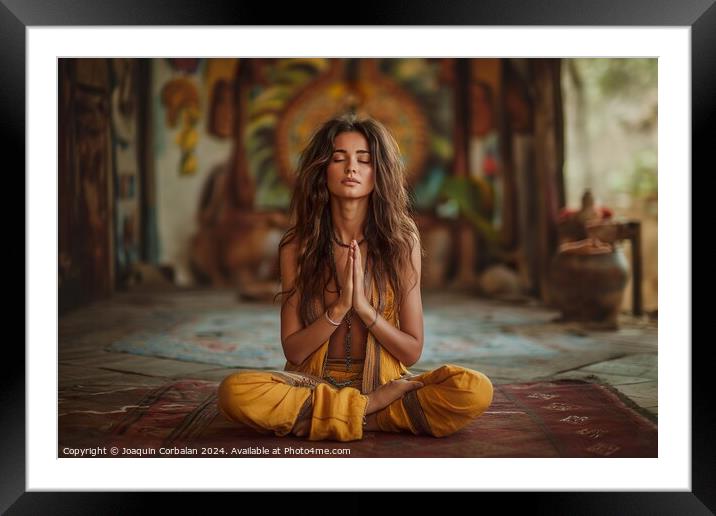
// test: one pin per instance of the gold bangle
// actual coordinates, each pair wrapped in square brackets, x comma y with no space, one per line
[374,320]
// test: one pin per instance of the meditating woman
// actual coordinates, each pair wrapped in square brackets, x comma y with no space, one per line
[351,313]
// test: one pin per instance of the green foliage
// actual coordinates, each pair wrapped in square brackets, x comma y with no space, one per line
[473,199]
[644,178]
[626,77]
[441,146]
[612,137]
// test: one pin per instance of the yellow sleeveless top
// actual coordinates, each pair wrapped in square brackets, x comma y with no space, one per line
[379,365]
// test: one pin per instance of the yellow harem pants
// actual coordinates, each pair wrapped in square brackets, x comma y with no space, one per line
[272,402]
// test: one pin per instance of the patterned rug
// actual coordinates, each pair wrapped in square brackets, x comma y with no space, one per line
[464,333]
[565,418]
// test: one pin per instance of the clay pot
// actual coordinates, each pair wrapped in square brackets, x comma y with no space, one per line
[608,231]
[587,282]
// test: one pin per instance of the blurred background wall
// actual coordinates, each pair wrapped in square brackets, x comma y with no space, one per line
[179,171]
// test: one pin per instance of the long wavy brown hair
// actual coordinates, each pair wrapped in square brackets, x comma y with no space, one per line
[390,231]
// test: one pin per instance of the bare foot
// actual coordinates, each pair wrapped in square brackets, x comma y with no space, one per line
[388,393]
[301,428]
[371,423]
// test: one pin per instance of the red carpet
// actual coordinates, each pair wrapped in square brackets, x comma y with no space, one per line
[566,418]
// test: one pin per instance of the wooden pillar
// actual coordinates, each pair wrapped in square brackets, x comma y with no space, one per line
[242,189]
[484,130]
[518,121]
[465,236]
[148,193]
[86,246]
[549,160]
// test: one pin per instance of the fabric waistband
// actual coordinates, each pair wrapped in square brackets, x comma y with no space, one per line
[339,364]
[343,361]
[336,369]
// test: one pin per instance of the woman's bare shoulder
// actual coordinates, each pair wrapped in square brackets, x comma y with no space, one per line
[288,259]
[415,240]
[289,248]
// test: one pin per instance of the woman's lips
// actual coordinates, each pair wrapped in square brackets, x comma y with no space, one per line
[350,182]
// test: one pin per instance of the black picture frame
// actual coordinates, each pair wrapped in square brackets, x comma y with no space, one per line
[17,15]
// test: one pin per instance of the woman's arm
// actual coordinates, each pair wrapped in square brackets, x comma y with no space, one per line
[299,342]
[406,343]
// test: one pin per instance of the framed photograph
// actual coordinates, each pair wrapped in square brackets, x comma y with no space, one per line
[38,35]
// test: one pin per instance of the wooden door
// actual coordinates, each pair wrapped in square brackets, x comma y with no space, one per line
[85,188]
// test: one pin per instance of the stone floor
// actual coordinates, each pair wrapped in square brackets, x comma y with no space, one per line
[85,332]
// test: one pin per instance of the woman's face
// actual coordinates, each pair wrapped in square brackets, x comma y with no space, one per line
[350,172]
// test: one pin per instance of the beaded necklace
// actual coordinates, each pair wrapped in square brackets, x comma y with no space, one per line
[348,319]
